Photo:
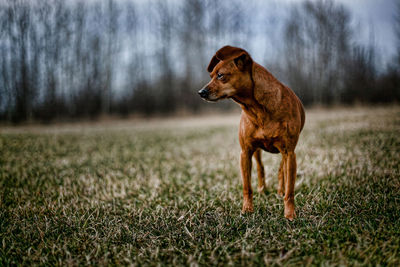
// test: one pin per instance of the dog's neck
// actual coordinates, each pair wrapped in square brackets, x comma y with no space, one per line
[262,100]
[254,110]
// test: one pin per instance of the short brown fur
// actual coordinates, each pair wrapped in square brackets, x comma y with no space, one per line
[272,119]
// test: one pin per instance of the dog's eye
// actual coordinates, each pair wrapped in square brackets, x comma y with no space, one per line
[220,76]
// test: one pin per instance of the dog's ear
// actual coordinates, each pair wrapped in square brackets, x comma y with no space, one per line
[228,52]
[243,61]
[214,61]
[241,58]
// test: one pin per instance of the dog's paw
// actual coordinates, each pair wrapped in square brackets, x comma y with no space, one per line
[247,207]
[262,189]
[290,216]
[280,193]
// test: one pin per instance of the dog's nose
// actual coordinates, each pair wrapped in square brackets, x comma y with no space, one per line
[204,92]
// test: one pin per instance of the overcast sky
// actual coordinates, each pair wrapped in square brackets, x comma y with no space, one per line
[372,22]
[379,14]
[376,14]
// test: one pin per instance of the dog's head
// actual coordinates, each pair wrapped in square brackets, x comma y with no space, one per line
[230,71]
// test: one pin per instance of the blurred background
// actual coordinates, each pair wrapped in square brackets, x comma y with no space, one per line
[71,59]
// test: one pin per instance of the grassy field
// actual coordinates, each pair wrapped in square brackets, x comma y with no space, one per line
[169,192]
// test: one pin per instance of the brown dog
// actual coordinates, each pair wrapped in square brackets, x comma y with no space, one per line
[272,118]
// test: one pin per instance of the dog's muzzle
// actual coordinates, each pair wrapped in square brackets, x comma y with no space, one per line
[204,92]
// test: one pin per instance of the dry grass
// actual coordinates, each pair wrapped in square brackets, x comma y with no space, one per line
[169,192]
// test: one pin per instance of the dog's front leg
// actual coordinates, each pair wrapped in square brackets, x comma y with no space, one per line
[291,169]
[245,168]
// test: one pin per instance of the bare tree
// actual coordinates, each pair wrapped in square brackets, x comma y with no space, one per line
[192,42]
[167,91]
[317,39]
[397,32]
[360,78]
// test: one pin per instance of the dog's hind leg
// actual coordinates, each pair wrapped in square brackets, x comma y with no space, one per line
[260,172]
[281,177]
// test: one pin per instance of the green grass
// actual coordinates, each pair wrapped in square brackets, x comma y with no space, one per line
[169,193]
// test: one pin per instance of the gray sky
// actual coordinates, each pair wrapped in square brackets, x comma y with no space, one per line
[372,21]
[378,14]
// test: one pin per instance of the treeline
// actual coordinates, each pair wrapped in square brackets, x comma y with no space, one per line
[74,59]
[324,63]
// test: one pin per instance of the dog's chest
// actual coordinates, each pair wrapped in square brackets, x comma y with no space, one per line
[268,145]
[270,130]
[268,136]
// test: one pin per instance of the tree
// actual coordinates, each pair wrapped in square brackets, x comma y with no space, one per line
[317,45]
